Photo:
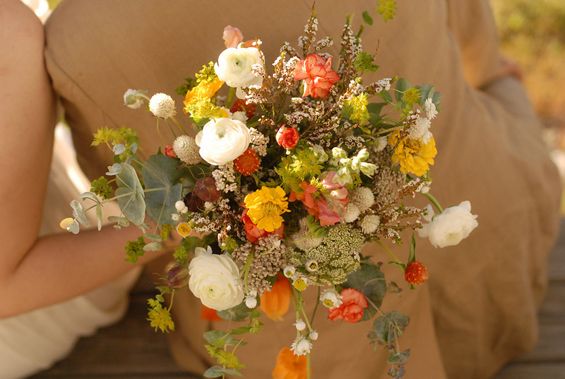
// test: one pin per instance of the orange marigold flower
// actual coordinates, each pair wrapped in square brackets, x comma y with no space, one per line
[209,314]
[275,303]
[247,163]
[240,105]
[416,273]
[290,366]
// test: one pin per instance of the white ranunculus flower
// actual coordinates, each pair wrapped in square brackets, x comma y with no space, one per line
[214,279]
[234,67]
[449,227]
[223,140]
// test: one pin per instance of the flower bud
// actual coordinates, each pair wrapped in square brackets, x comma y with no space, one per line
[177,277]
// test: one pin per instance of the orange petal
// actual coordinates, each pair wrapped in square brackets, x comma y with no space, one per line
[290,366]
[275,303]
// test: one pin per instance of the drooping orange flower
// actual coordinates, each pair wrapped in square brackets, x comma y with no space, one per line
[290,366]
[204,90]
[247,163]
[275,303]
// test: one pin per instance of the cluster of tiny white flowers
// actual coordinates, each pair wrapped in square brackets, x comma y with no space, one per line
[430,109]
[259,142]
[354,142]
[187,150]
[162,106]
[324,43]
[380,85]
[380,144]
[301,346]
[225,178]
[287,48]
[419,127]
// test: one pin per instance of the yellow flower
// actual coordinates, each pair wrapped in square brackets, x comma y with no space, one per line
[265,207]
[204,90]
[413,155]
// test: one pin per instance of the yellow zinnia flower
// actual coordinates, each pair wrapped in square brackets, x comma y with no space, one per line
[413,155]
[266,206]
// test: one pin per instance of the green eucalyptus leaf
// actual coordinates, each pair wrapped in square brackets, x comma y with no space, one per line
[73,227]
[386,96]
[122,221]
[401,86]
[130,194]
[390,326]
[163,189]
[78,213]
[99,215]
[154,237]
[217,371]
[399,359]
[153,246]
[220,339]
[426,91]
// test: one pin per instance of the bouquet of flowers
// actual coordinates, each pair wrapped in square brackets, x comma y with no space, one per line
[289,174]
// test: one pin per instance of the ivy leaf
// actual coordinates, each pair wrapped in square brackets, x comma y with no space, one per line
[130,194]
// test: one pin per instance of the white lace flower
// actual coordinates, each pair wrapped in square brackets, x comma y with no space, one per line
[381,143]
[187,150]
[370,223]
[162,106]
[449,227]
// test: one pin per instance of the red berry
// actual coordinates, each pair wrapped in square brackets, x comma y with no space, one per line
[416,273]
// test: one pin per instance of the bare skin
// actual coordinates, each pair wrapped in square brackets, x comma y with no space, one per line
[37,272]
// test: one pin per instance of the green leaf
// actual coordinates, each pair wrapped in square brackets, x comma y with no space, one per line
[390,326]
[386,96]
[220,339]
[412,255]
[153,246]
[400,358]
[401,86]
[154,237]
[99,215]
[162,187]
[367,18]
[122,221]
[130,194]
[426,91]
[217,371]
[78,213]
[238,313]
[371,282]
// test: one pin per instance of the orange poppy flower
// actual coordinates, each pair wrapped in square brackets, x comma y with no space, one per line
[209,314]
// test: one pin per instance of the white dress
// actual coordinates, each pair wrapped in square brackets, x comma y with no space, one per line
[34,341]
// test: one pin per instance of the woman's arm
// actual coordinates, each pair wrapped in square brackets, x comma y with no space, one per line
[36,272]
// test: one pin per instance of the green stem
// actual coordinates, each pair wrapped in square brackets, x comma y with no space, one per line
[230,96]
[434,201]
[308,367]
[315,307]
[393,256]
[179,125]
